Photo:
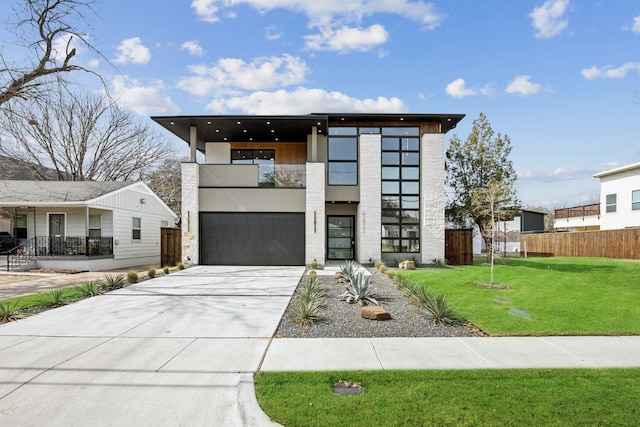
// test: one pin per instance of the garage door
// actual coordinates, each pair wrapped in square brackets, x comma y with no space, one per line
[251,238]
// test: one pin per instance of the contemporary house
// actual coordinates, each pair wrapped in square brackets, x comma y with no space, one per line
[285,190]
[80,225]
[619,205]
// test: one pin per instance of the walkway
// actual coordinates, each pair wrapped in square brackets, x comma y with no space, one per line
[176,350]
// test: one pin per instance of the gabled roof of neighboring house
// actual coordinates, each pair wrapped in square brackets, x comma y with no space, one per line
[55,192]
[617,170]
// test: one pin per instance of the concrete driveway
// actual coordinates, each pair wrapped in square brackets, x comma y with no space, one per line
[176,350]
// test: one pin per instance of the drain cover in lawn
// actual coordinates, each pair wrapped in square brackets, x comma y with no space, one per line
[520,313]
[501,299]
[347,388]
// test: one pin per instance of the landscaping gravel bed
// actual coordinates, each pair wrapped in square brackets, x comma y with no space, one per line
[343,320]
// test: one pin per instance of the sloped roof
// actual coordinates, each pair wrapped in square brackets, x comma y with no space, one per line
[40,192]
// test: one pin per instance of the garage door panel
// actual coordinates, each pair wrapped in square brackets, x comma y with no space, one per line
[251,238]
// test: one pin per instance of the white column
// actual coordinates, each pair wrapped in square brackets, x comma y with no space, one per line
[190,213]
[432,197]
[193,142]
[369,218]
[315,227]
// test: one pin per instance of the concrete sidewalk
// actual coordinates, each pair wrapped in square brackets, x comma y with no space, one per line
[179,349]
[334,354]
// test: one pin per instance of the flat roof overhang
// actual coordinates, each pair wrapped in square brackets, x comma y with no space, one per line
[290,128]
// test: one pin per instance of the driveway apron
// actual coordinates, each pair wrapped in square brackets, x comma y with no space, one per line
[176,350]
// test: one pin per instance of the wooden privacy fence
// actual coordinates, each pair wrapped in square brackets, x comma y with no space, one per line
[604,243]
[458,246]
[170,246]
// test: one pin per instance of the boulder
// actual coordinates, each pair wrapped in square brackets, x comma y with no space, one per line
[407,265]
[375,312]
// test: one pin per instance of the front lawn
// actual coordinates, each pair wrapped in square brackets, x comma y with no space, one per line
[571,397]
[547,296]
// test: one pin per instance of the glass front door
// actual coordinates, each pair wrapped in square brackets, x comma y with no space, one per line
[341,237]
[56,234]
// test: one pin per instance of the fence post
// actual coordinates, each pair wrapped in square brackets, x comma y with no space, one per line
[525,248]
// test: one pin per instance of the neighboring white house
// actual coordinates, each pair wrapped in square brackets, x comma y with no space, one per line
[619,205]
[81,225]
[285,190]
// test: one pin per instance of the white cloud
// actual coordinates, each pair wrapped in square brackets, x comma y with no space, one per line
[272,33]
[133,51]
[193,47]
[522,85]
[144,100]
[233,75]
[458,90]
[304,101]
[345,39]
[337,21]
[636,25]
[608,72]
[548,19]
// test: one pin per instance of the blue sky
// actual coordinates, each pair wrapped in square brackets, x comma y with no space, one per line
[559,77]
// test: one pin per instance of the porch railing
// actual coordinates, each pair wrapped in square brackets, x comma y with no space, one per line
[578,211]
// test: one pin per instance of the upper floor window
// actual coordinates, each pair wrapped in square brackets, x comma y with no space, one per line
[342,156]
[635,200]
[612,201]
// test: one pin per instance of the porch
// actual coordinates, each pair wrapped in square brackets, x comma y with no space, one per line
[584,217]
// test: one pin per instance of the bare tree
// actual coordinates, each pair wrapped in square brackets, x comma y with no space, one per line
[490,204]
[43,28]
[166,182]
[81,137]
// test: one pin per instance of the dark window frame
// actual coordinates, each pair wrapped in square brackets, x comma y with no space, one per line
[339,135]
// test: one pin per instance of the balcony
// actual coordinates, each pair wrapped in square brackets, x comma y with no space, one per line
[578,218]
[581,212]
[253,176]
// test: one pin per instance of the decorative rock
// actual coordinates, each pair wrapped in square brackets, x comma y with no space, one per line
[375,312]
[407,265]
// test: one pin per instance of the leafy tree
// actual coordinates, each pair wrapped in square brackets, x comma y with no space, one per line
[471,166]
[166,182]
[49,31]
[80,137]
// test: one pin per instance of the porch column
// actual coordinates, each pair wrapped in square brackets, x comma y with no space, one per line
[369,219]
[193,142]
[314,143]
[314,217]
[190,213]
[86,230]
[432,197]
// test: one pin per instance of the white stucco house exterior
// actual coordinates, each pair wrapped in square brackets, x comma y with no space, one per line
[287,190]
[80,225]
[619,205]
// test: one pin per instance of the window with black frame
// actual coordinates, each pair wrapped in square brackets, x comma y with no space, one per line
[264,158]
[342,156]
[401,190]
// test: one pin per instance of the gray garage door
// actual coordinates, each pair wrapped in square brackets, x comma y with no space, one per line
[251,238]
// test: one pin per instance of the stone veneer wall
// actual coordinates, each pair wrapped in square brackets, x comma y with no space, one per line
[369,217]
[315,233]
[432,198]
[190,213]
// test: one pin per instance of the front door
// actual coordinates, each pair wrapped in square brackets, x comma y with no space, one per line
[56,234]
[341,237]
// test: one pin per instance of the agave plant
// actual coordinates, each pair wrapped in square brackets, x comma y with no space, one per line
[89,289]
[310,301]
[55,298]
[110,282]
[440,310]
[347,271]
[9,312]
[360,290]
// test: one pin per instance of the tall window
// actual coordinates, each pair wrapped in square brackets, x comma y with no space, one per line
[401,190]
[95,226]
[635,200]
[265,159]
[21,226]
[612,200]
[343,156]
[136,229]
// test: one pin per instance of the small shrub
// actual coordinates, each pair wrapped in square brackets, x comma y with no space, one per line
[382,267]
[110,282]
[151,272]
[416,260]
[166,269]
[132,277]
[313,273]
[377,264]
[180,266]
[55,298]
[314,264]
[439,262]
[395,261]
[440,310]
[360,290]
[391,274]
[88,289]
[9,311]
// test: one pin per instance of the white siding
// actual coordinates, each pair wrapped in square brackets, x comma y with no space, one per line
[622,184]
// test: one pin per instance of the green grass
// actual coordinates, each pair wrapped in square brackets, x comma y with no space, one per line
[41,299]
[573,397]
[564,296]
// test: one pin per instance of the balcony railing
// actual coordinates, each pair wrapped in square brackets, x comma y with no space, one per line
[583,211]
[253,176]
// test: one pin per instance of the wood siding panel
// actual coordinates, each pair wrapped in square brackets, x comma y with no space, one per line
[623,244]
[287,153]
[459,246]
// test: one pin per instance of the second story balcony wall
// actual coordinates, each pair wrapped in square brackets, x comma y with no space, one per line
[253,176]
[577,218]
